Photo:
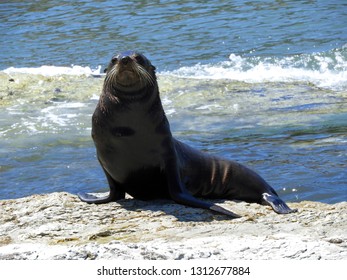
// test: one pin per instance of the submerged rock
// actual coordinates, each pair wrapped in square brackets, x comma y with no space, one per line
[60,226]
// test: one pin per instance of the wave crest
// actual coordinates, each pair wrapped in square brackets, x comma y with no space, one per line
[326,69]
[46,70]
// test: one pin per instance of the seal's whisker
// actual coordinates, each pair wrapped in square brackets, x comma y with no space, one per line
[143,74]
[136,69]
[139,72]
[111,77]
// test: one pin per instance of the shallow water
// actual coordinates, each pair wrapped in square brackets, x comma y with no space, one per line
[263,83]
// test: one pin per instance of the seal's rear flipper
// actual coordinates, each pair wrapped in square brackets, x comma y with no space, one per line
[224,211]
[189,200]
[277,204]
[179,193]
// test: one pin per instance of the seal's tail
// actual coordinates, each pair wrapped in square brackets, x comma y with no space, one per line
[277,204]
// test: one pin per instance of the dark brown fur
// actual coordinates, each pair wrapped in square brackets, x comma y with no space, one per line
[140,157]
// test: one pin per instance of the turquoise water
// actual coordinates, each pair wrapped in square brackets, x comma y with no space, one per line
[261,82]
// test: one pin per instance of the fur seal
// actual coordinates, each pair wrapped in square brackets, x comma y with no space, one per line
[140,157]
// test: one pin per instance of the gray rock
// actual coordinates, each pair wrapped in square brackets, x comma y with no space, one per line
[60,226]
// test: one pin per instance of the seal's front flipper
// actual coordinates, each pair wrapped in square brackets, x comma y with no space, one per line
[113,196]
[89,198]
[116,193]
[277,204]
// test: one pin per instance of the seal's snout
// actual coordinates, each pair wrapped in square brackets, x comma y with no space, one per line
[129,72]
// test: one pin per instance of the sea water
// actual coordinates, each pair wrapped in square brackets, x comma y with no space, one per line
[261,82]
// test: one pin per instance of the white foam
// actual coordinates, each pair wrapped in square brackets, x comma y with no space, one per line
[208,107]
[59,114]
[95,97]
[327,69]
[71,105]
[46,70]
[322,71]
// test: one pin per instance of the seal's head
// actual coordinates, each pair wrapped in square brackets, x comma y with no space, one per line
[129,72]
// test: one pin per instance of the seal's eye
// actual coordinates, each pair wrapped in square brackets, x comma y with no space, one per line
[114,59]
[139,59]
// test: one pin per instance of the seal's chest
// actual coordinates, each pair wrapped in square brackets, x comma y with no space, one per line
[146,184]
[122,131]
[133,147]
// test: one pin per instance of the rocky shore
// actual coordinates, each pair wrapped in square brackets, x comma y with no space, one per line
[59,226]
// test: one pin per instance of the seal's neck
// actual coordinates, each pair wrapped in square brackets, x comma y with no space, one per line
[115,99]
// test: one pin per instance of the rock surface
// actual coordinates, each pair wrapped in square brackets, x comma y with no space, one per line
[60,226]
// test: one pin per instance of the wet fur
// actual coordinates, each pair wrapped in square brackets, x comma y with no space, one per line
[140,157]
